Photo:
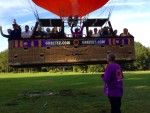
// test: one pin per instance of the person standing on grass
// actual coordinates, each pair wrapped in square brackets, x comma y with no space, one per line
[113,79]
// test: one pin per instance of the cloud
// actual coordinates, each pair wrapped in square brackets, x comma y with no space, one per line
[125,3]
[130,3]
[130,17]
[18,9]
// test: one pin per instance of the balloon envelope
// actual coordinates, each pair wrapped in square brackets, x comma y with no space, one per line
[65,8]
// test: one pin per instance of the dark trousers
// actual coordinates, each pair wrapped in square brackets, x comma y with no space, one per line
[115,103]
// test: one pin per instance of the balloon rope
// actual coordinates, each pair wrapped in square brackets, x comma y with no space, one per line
[34,10]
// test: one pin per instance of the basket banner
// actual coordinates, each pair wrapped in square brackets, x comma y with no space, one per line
[72,42]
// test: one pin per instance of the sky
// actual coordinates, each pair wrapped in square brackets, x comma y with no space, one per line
[131,14]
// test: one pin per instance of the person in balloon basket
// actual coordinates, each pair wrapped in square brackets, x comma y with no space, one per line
[27,33]
[16,33]
[77,32]
[39,33]
[5,35]
[113,79]
[12,34]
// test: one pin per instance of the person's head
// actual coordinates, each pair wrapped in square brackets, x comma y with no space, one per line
[76,30]
[90,32]
[125,31]
[105,31]
[95,30]
[115,32]
[48,30]
[111,57]
[55,30]
[15,26]
[9,31]
[39,28]
[99,31]
[26,28]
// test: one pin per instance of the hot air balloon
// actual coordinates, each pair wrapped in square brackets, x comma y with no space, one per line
[65,49]
[65,8]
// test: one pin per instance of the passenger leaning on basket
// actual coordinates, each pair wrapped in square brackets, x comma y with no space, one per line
[54,33]
[27,33]
[126,33]
[4,35]
[90,33]
[16,33]
[12,34]
[39,33]
[78,32]
[96,34]
[48,33]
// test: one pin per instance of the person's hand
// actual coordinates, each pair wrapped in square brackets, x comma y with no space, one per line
[14,21]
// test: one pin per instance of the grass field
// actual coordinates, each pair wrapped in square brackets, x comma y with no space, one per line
[71,93]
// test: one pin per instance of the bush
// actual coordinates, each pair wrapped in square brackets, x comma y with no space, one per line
[44,69]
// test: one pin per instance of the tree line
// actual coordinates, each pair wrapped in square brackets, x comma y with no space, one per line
[142,62]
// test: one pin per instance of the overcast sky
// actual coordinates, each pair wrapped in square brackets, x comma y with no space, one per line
[131,14]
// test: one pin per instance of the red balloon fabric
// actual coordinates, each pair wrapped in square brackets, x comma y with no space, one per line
[65,8]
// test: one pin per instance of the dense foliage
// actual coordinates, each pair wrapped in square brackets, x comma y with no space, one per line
[142,59]
[4,60]
[142,63]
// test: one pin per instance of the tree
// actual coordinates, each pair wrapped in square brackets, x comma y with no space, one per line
[142,61]
[4,60]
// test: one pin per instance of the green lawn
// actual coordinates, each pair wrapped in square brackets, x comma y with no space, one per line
[76,93]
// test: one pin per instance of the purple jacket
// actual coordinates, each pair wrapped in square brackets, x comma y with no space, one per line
[113,80]
[77,34]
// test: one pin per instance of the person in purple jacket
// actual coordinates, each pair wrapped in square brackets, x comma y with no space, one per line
[78,32]
[113,87]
